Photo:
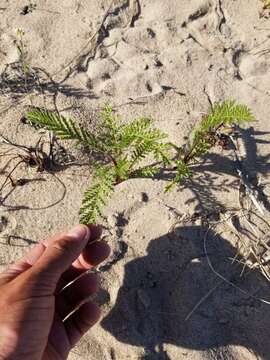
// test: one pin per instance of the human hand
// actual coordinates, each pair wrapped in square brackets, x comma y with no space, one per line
[33,303]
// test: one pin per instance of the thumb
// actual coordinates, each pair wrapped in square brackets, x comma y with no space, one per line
[62,252]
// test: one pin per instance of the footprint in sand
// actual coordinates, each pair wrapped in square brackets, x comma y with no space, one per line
[253,65]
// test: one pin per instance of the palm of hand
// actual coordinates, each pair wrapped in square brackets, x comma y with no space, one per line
[34,299]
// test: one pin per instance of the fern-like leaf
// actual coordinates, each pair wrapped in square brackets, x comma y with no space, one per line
[141,139]
[163,152]
[62,127]
[134,131]
[146,172]
[182,171]
[222,114]
[266,4]
[226,113]
[200,146]
[97,196]
[109,121]
[122,169]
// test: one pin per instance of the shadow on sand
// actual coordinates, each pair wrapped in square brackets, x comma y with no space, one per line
[161,289]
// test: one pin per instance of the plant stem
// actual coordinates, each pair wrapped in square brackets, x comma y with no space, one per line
[112,159]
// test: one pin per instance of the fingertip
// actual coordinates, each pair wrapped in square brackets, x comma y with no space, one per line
[79,232]
[95,232]
[96,253]
[63,250]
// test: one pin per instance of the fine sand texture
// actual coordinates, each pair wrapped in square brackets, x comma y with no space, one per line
[171,60]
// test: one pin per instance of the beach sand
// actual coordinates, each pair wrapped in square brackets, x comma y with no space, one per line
[171,60]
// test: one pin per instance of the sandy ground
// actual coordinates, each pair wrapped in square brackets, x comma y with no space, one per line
[170,59]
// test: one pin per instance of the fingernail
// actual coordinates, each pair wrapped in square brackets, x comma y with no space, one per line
[79,232]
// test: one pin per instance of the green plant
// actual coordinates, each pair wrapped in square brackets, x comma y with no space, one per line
[136,149]
[22,51]
[207,134]
[266,4]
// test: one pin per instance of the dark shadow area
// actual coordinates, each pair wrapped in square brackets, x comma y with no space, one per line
[252,165]
[16,84]
[161,289]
